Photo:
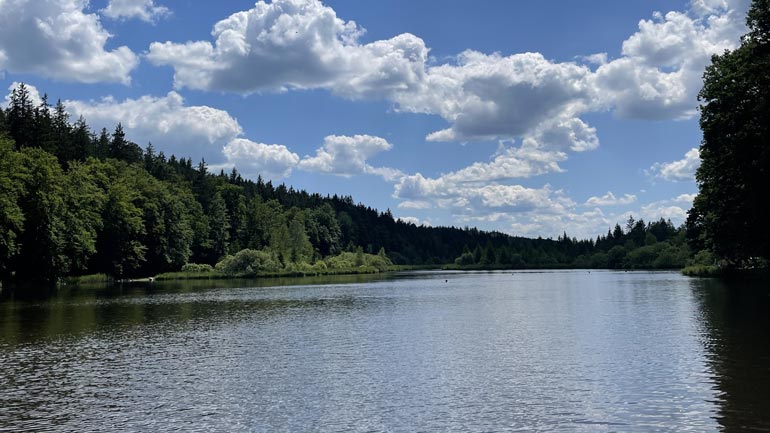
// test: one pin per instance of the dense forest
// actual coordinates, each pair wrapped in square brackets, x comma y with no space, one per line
[76,202]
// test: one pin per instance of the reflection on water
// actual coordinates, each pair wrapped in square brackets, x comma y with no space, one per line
[737,342]
[424,351]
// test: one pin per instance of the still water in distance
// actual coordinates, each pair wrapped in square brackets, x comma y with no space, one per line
[422,351]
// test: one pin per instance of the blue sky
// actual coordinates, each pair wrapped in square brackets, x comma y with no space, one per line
[531,118]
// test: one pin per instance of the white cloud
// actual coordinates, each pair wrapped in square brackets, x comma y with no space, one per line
[510,163]
[347,155]
[269,160]
[709,7]
[302,44]
[657,210]
[680,170]
[474,199]
[414,204]
[172,126]
[609,199]
[145,10]
[685,198]
[491,96]
[563,134]
[56,39]
[660,72]
[293,44]
[596,59]
[479,192]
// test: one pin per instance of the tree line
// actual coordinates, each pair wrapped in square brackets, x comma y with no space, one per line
[74,201]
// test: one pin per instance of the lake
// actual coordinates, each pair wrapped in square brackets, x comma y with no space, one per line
[419,351]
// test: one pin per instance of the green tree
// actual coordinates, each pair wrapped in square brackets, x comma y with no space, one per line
[729,212]
[299,243]
[120,251]
[80,142]
[42,242]
[219,228]
[84,198]
[122,149]
[12,179]
[324,230]
[20,117]
[101,145]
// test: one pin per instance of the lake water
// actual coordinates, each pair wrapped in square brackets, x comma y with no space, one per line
[421,351]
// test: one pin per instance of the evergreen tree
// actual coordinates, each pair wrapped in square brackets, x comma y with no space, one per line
[122,149]
[44,135]
[41,254]
[20,117]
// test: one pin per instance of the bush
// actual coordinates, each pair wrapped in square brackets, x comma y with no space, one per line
[248,263]
[704,257]
[196,267]
[348,260]
[703,271]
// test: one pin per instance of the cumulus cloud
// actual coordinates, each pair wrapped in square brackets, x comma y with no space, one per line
[347,155]
[57,39]
[680,170]
[167,122]
[269,160]
[293,44]
[491,96]
[660,72]
[509,163]
[145,10]
[475,199]
[609,199]
[482,192]
[596,58]
[662,209]
[302,44]
[685,198]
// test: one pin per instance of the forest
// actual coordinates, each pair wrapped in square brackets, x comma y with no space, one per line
[75,202]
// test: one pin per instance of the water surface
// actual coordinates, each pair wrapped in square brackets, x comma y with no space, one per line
[422,351]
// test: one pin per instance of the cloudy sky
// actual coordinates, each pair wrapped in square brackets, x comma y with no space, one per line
[526,117]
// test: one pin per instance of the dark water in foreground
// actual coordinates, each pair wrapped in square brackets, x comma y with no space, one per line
[553,351]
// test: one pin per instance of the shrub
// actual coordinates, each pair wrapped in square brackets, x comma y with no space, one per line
[248,263]
[196,267]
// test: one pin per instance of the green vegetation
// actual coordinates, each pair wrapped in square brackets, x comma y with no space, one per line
[656,245]
[729,212]
[75,202]
[99,279]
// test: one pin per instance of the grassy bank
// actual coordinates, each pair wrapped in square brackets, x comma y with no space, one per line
[215,275]
[91,279]
[710,271]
